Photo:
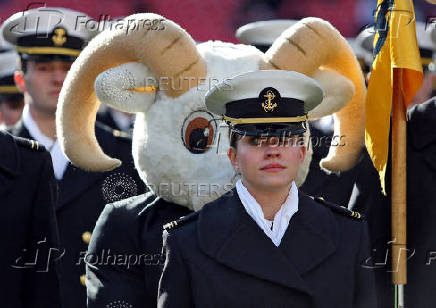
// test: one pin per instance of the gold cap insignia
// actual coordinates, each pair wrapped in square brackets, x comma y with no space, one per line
[59,38]
[268,105]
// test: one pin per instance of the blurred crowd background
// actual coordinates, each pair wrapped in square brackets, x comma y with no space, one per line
[218,19]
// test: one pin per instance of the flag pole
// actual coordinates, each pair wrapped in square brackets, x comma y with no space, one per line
[398,188]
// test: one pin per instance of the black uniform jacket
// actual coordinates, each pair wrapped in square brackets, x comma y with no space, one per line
[219,257]
[421,212]
[82,197]
[106,117]
[125,260]
[27,225]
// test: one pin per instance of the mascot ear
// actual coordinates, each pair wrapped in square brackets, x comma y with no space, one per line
[129,87]
[313,44]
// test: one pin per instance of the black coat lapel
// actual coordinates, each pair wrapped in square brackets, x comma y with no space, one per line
[312,235]
[74,182]
[229,235]
[249,250]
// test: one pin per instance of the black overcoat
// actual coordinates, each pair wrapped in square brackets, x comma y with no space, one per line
[421,212]
[219,257]
[28,228]
[82,197]
[125,261]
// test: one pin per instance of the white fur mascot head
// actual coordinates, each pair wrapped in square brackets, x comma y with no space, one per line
[150,66]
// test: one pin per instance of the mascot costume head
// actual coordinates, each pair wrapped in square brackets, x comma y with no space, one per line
[150,66]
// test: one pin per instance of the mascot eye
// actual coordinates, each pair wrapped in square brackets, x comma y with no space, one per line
[198,131]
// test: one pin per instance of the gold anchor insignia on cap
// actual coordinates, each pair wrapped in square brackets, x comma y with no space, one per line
[59,39]
[268,106]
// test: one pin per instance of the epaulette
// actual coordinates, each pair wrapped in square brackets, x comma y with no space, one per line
[340,209]
[29,144]
[120,135]
[180,222]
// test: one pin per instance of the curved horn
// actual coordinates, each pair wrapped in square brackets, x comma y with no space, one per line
[338,91]
[150,39]
[314,43]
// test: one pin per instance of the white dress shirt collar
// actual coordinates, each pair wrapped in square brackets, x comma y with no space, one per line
[60,161]
[273,229]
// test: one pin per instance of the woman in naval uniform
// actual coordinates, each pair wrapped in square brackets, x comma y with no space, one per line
[266,244]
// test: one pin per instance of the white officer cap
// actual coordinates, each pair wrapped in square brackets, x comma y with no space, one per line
[425,34]
[8,66]
[4,45]
[263,33]
[49,31]
[265,102]
[362,47]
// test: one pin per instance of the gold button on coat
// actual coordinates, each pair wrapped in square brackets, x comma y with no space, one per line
[83,280]
[86,237]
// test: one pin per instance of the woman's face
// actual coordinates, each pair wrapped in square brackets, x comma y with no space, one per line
[267,164]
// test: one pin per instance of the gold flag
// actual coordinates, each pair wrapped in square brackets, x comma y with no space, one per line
[395,47]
